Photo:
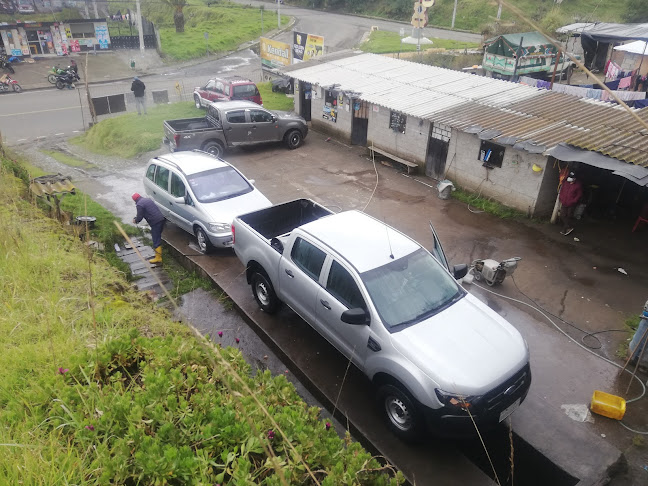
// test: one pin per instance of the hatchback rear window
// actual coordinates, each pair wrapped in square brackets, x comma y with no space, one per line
[245,91]
[218,184]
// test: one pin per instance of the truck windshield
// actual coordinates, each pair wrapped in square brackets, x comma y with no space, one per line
[218,184]
[410,289]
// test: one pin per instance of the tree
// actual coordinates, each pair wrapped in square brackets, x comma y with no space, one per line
[178,14]
[636,11]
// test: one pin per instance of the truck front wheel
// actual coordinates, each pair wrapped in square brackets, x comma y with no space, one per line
[294,139]
[264,293]
[214,148]
[401,412]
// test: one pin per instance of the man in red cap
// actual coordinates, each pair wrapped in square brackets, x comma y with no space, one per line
[570,194]
[146,209]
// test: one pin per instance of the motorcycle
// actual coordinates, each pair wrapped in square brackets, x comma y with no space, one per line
[8,84]
[5,64]
[67,79]
[57,71]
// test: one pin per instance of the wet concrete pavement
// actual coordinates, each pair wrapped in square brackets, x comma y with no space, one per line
[556,271]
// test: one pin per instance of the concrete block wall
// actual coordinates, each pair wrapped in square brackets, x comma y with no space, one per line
[514,184]
[411,145]
[341,128]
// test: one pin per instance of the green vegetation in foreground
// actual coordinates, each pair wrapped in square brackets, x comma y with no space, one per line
[228,27]
[382,42]
[131,135]
[479,203]
[103,388]
[68,159]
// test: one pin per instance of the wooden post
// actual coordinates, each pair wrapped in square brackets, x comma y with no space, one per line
[553,76]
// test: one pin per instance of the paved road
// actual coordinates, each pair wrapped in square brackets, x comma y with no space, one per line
[345,31]
[27,116]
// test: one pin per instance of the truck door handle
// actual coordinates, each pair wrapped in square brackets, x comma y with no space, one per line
[229,128]
[325,304]
[290,274]
[253,126]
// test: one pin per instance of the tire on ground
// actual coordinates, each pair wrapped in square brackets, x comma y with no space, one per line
[401,412]
[264,293]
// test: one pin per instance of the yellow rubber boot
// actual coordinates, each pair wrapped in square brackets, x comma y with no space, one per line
[158,256]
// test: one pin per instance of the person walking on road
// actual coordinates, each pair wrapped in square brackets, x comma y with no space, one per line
[138,88]
[570,194]
[146,209]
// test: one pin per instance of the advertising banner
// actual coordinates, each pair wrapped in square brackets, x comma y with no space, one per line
[306,46]
[274,54]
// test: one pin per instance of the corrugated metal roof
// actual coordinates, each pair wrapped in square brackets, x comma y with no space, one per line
[463,100]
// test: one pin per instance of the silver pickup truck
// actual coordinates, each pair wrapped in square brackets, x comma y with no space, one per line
[232,123]
[440,359]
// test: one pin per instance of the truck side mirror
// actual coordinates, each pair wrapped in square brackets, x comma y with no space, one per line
[460,271]
[357,316]
[180,200]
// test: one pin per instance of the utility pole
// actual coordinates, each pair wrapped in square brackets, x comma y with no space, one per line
[454,13]
[94,4]
[139,26]
[87,12]
[499,10]
[278,14]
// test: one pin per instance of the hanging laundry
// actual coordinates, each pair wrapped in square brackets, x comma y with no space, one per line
[641,104]
[543,84]
[624,83]
[613,84]
[528,81]
[595,94]
[613,71]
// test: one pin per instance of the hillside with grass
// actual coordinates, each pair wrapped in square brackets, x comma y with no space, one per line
[100,386]
[476,15]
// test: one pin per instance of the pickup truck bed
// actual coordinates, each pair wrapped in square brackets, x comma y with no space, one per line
[189,124]
[283,218]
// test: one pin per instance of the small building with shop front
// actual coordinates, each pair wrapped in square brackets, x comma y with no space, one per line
[489,136]
[29,39]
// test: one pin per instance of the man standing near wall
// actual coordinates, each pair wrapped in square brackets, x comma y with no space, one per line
[571,192]
[138,88]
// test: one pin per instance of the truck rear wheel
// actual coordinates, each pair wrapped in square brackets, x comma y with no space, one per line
[264,293]
[294,139]
[214,148]
[401,412]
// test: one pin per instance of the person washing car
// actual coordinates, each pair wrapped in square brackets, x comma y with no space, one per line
[570,194]
[138,88]
[146,209]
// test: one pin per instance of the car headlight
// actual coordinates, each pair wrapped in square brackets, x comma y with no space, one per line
[218,227]
[455,400]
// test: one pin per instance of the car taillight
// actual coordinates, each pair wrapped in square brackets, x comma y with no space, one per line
[233,234]
[176,139]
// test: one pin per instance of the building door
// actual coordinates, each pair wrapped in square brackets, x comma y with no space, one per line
[437,151]
[359,122]
[305,93]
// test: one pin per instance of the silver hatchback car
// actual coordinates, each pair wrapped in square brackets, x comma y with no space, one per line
[201,194]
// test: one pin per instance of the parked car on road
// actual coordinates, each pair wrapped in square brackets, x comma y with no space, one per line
[201,194]
[26,8]
[227,89]
[231,123]
[437,355]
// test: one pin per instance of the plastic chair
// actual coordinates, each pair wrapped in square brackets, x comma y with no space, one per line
[643,217]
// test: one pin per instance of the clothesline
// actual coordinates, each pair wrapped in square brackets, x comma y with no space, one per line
[585,92]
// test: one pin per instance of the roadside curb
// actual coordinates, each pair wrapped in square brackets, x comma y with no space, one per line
[319,395]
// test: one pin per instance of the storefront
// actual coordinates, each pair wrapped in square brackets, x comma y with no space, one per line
[54,38]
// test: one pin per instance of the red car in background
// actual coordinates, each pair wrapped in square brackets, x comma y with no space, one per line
[227,89]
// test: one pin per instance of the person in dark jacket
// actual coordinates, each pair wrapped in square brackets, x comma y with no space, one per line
[138,88]
[570,194]
[146,209]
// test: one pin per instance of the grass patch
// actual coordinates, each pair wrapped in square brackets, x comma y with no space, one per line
[131,135]
[100,387]
[275,101]
[382,42]
[185,281]
[68,159]
[487,205]
[227,26]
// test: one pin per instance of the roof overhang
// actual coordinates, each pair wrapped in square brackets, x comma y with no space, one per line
[567,153]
